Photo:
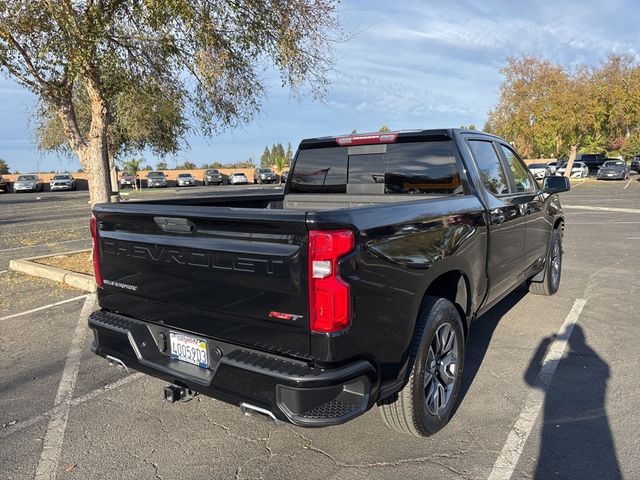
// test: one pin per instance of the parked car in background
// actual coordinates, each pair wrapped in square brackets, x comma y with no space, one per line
[284,175]
[212,176]
[539,170]
[264,175]
[156,179]
[238,178]
[62,181]
[28,183]
[579,170]
[613,169]
[593,161]
[186,180]
[127,180]
[635,164]
[4,184]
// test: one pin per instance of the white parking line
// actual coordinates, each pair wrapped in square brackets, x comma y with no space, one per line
[625,187]
[53,243]
[508,459]
[52,446]
[3,271]
[76,401]
[45,307]
[603,209]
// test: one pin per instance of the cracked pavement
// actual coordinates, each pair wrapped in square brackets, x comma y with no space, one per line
[119,426]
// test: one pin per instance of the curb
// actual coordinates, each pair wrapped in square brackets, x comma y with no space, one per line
[73,279]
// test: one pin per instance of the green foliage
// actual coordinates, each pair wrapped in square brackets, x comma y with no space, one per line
[187,165]
[131,166]
[631,146]
[384,128]
[143,74]
[148,168]
[289,154]
[265,159]
[162,165]
[547,110]
[471,126]
[4,167]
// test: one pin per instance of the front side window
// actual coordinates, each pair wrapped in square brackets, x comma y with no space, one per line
[491,171]
[521,177]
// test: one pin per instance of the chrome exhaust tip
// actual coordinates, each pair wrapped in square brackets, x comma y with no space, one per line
[117,362]
[252,411]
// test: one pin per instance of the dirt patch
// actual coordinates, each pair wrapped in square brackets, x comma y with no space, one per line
[80,262]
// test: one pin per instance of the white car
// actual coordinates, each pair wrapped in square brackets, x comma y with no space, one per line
[539,170]
[62,181]
[186,180]
[238,178]
[579,170]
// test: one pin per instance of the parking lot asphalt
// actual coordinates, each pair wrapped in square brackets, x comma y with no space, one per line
[65,412]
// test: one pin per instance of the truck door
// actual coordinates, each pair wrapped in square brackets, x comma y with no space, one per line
[506,220]
[531,200]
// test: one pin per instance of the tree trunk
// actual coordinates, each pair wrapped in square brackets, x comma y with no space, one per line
[95,156]
[572,158]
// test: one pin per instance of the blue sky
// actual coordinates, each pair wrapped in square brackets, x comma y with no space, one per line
[409,64]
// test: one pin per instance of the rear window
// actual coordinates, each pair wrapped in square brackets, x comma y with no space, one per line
[26,178]
[400,168]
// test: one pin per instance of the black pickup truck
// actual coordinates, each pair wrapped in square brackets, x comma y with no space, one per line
[352,287]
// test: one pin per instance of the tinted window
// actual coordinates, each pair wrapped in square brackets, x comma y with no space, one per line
[155,174]
[521,177]
[424,167]
[320,170]
[27,178]
[420,167]
[61,177]
[491,170]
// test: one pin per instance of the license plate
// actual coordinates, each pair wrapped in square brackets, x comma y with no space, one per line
[189,349]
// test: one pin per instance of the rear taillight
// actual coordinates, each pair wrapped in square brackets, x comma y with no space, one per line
[93,225]
[329,296]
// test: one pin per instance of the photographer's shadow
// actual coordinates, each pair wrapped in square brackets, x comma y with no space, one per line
[576,440]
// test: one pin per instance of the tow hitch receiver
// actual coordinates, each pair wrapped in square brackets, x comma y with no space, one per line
[176,393]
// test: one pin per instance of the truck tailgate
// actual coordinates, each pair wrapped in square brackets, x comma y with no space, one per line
[235,274]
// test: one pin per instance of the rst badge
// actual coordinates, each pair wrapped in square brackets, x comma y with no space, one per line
[284,316]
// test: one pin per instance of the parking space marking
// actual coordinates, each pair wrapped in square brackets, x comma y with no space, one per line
[54,243]
[625,187]
[3,271]
[603,209]
[508,458]
[52,445]
[45,307]
[76,401]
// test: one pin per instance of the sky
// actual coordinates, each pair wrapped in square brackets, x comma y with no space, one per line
[406,64]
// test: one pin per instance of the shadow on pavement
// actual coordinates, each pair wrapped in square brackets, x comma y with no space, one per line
[576,440]
[480,335]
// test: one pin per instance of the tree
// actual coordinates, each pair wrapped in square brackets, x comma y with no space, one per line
[384,128]
[132,167]
[161,165]
[187,165]
[4,167]
[546,109]
[289,154]
[122,75]
[148,168]
[265,159]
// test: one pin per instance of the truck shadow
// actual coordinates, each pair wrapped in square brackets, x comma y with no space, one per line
[480,334]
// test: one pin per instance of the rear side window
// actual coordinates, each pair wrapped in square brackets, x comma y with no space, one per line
[491,171]
[399,168]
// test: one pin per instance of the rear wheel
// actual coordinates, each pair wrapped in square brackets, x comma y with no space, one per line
[552,269]
[427,401]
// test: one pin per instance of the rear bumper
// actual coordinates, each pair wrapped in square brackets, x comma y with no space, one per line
[290,389]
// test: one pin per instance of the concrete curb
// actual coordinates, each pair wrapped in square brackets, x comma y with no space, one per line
[73,279]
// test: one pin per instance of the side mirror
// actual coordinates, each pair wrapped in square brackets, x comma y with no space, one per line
[556,184]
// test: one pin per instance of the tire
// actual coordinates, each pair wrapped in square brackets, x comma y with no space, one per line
[414,410]
[552,269]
